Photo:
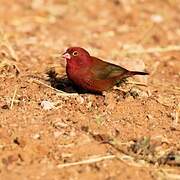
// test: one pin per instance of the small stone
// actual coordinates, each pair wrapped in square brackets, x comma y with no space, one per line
[173,115]
[46,105]
[156,18]
[57,134]
[80,100]
[66,155]
[36,136]
[60,124]
[150,117]
[89,105]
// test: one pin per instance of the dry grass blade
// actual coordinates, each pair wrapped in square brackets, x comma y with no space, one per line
[164,174]
[5,42]
[136,83]
[4,63]
[178,88]
[173,176]
[129,160]
[153,50]
[177,114]
[17,69]
[160,102]
[87,161]
[57,90]
[13,98]
[11,51]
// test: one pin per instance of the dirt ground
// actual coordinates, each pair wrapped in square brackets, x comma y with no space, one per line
[51,131]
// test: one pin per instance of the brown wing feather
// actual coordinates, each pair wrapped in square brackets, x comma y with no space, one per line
[105,70]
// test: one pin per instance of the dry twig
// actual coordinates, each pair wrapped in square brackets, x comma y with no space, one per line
[62,93]
[153,50]
[137,83]
[5,42]
[87,161]
[13,98]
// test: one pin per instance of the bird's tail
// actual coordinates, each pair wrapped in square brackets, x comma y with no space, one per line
[132,73]
[127,74]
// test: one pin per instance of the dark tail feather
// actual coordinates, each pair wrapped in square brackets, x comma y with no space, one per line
[132,73]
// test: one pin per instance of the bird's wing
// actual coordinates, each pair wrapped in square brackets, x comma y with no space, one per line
[105,70]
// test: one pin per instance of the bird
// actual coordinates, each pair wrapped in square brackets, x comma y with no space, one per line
[93,74]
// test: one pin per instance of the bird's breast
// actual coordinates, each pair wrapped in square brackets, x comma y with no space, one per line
[76,74]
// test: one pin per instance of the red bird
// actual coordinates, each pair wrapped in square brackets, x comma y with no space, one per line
[93,74]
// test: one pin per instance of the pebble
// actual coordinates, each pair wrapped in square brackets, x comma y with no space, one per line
[47,105]
[156,18]
[57,134]
[80,99]
[36,136]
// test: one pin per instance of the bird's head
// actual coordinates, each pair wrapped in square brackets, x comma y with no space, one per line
[76,54]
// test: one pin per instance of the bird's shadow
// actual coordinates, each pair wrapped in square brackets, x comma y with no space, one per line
[64,84]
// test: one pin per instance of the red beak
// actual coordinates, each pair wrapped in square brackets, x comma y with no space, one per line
[66,55]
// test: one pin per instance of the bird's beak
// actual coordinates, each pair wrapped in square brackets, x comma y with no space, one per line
[66,55]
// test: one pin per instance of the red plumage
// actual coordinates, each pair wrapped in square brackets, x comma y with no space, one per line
[93,74]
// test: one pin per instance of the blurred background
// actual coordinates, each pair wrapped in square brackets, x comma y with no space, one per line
[37,30]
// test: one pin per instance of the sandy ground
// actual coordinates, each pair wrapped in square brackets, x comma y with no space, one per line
[134,134]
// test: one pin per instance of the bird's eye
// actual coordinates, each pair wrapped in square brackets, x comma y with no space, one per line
[75,53]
